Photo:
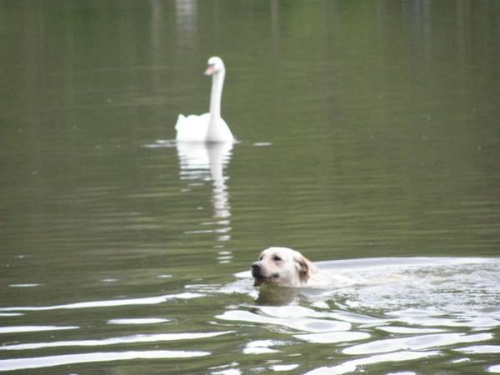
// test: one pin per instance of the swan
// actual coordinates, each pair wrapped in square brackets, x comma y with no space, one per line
[209,127]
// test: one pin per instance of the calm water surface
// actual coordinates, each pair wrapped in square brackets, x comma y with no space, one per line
[369,140]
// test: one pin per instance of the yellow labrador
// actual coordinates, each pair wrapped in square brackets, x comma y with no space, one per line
[283,266]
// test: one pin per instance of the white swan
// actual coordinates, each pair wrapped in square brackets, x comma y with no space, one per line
[209,127]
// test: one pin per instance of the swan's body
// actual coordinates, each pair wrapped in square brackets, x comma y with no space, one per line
[209,127]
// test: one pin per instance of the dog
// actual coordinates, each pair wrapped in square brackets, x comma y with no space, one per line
[284,267]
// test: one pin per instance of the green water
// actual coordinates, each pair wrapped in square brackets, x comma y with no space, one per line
[367,130]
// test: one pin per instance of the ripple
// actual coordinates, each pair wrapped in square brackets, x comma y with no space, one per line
[480,349]
[21,329]
[138,321]
[299,324]
[333,337]
[262,144]
[415,343]
[495,369]
[116,340]
[231,371]
[410,331]
[352,366]
[284,367]
[261,347]
[431,318]
[69,359]
[301,312]
[110,280]
[108,303]
[452,285]
[162,143]
[358,318]
[24,285]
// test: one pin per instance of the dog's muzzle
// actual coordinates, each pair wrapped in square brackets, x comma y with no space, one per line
[257,270]
[259,275]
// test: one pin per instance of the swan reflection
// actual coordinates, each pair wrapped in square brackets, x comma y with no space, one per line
[206,162]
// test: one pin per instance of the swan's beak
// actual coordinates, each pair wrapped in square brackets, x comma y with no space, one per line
[210,70]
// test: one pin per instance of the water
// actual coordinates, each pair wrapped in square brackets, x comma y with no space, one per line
[368,140]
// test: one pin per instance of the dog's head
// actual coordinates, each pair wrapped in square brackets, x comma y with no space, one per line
[282,266]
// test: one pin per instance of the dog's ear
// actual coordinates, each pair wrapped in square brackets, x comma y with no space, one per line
[305,267]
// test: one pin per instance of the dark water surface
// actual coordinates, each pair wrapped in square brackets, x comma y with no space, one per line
[369,140]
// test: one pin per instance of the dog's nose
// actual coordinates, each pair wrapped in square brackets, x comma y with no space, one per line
[256,269]
[256,266]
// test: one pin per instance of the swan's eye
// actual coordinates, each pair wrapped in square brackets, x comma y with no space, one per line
[277,258]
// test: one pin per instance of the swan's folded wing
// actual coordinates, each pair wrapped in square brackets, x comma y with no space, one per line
[192,128]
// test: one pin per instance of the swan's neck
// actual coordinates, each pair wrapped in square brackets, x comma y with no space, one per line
[216,95]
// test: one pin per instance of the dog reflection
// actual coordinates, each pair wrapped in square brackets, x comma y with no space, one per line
[273,295]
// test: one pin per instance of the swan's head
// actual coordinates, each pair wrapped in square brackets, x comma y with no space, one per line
[215,65]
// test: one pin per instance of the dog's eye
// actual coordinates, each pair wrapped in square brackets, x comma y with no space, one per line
[277,258]
[261,257]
